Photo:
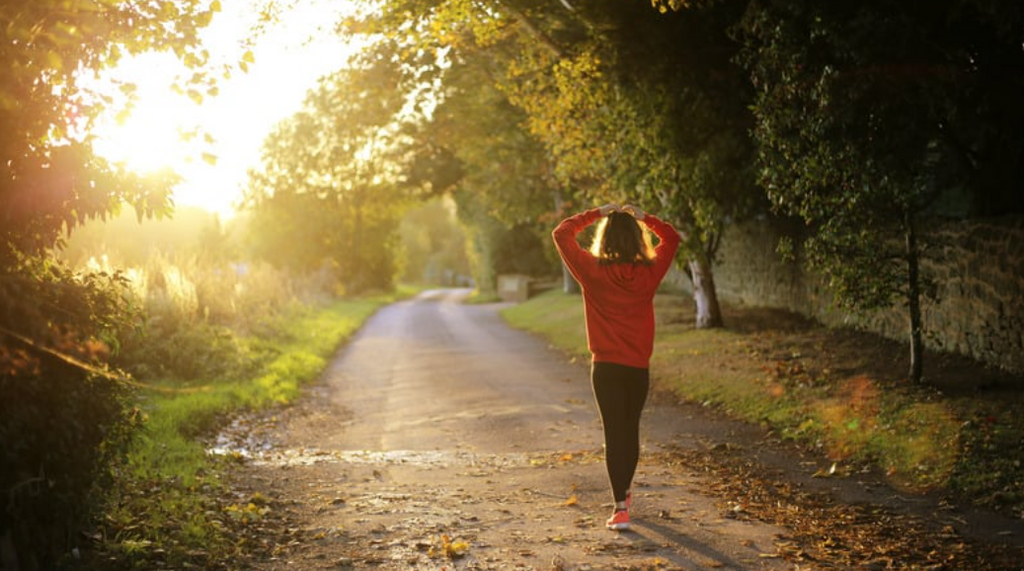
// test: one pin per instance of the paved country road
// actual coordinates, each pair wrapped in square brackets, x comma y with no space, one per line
[440,438]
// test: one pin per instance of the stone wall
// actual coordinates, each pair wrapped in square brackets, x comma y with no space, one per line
[977,265]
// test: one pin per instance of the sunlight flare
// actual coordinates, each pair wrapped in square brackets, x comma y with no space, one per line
[211,139]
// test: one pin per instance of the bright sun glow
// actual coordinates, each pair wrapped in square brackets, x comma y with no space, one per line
[150,137]
[289,57]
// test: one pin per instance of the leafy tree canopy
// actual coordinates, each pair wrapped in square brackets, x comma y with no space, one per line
[52,180]
[869,113]
[334,176]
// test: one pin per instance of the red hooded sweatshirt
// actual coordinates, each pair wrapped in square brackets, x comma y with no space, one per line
[618,298]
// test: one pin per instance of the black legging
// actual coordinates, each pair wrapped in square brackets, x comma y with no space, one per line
[620,392]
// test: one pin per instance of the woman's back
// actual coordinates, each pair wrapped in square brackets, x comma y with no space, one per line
[618,287]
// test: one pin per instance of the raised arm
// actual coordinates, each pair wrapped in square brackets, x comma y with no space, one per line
[668,242]
[668,238]
[565,234]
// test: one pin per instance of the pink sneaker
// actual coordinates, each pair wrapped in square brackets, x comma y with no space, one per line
[619,521]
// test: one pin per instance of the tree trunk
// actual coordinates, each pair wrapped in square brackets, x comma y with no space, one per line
[914,302]
[709,313]
[569,284]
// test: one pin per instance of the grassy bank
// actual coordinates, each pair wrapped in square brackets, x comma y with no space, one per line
[167,508]
[841,392]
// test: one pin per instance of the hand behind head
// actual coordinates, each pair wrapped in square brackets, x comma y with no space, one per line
[634,211]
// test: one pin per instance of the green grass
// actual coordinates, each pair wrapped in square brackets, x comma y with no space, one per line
[167,447]
[556,316]
[165,505]
[767,375]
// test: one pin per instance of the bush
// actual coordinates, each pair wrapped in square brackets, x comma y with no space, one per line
[196,312]
[62,417]
[60,432]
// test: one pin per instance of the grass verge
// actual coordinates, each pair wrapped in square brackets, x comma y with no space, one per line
[840,392]
[166,509]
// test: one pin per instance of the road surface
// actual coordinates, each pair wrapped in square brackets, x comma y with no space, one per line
[440,438]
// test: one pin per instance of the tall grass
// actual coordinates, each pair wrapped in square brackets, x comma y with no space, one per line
[555,316]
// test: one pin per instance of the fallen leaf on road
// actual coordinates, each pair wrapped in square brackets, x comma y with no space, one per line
[449,549]
[825,473]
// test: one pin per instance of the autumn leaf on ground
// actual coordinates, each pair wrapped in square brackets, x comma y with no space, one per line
[821,473]
[449,549]
[573,500]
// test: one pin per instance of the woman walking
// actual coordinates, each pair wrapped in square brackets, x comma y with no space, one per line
[619,276]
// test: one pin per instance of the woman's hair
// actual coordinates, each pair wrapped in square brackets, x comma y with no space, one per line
[620,239]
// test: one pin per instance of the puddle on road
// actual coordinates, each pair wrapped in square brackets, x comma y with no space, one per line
[254,443]
[267,456]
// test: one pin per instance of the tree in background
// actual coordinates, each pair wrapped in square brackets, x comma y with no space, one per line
[329,192]
[61,415]
[867,114]
[433,245]
[505,185]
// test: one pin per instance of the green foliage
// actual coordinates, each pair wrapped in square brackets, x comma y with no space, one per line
[482,235]
[618,103]
[60,431]
[433,245]
[839,148]
[329,193]
[195,311]
[867,112]
[52,180]
[649,109]
[521,251]
[62,417]
[504,186]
